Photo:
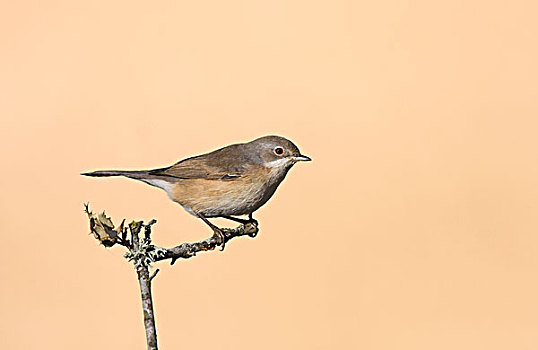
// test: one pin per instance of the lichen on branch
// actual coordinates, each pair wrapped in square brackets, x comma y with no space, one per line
[141,251]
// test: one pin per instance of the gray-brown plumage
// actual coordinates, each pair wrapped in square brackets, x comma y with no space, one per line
[234,180]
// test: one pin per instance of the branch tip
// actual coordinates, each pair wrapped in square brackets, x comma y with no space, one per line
[153,275]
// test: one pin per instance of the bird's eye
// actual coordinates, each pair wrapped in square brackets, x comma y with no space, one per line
[279,151]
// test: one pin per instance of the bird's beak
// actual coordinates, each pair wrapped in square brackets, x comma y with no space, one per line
[301,158]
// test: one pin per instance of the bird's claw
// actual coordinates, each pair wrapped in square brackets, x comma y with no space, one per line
[220,238]
[252,222]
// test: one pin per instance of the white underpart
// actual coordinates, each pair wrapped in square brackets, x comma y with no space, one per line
[278,162]
[165,185]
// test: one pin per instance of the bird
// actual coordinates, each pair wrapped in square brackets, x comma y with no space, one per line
[231,181]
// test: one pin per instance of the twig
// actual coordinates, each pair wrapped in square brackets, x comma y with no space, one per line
[145,287]
[153,275]
[188,250]
[142,253]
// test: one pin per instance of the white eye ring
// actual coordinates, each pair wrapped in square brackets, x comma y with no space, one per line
[279,151]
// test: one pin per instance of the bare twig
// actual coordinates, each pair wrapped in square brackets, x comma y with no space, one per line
[153,275]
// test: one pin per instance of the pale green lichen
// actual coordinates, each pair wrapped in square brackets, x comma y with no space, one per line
[144,254]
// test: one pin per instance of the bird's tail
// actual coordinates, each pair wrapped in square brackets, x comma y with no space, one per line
[133,174]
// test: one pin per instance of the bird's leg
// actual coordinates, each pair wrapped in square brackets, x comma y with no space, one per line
[239,220]
[251,219]
[242,221]
[217,231]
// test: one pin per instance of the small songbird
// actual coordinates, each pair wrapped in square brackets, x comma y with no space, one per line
[233,180]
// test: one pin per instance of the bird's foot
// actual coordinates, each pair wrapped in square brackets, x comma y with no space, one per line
[252,220]
[219,237]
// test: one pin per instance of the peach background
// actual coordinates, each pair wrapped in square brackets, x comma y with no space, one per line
[415,227]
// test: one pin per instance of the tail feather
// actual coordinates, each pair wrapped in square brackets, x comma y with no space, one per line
[133,174]
[164,182]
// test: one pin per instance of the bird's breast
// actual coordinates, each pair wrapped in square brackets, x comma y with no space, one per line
[214,198]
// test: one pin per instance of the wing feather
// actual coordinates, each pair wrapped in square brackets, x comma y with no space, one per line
[227,163]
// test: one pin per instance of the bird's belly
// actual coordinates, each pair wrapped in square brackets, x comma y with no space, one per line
[213,198]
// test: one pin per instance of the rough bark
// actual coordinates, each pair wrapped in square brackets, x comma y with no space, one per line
[144,281]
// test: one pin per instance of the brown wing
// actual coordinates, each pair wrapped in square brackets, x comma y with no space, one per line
[227,163]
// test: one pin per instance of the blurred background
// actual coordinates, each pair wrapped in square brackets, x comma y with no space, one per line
[414,227]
